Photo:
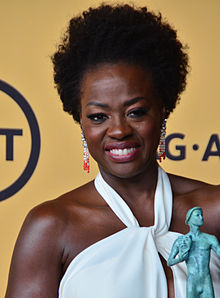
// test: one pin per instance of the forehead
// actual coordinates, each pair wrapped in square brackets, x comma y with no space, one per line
[113,79]
[197,211]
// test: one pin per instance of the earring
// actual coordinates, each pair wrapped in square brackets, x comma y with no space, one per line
[162,146]
[85,153]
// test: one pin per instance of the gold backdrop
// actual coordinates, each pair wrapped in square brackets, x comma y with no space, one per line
[29,32]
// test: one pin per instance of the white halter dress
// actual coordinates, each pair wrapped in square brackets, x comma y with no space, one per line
[126,264]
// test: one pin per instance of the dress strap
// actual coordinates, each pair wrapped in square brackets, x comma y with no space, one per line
[115,202]
[163,203]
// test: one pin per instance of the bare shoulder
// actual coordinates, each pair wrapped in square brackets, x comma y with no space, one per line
[43,243]
[54,213]
[184,187]
[189,193]
[57,209]
[58,213]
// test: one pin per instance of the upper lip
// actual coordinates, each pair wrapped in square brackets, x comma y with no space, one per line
[121,145]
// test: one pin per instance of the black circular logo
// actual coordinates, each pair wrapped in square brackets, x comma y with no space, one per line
[35,141]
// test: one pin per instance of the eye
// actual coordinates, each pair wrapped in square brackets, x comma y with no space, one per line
[98,117]
[138,112]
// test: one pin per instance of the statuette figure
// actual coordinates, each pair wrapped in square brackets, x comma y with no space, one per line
[194,248]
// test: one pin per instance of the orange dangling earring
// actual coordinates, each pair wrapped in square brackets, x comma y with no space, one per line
[85,153]
[162,145]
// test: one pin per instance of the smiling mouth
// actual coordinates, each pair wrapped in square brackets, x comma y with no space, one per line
[123,155]
[122,152]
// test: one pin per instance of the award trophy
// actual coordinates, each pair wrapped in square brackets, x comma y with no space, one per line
[194,248]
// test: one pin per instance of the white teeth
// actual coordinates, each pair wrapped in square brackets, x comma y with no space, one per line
[121,152]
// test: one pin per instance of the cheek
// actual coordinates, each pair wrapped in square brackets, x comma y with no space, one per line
[94,138]
[150,130]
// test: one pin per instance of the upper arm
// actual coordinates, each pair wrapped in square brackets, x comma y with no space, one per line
[36,263]
[175,248]
[215,245]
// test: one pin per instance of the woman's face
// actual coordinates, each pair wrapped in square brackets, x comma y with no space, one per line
[121,118]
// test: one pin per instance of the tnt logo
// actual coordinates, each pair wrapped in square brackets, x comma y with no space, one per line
[10,133]
[19,141]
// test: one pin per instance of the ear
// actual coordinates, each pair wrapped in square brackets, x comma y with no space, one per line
[164,113]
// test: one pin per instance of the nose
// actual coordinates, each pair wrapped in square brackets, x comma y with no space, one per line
[119,128]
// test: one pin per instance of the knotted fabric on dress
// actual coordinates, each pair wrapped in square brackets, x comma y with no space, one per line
[126,264]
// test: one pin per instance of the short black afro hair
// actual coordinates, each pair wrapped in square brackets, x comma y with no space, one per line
[120,33]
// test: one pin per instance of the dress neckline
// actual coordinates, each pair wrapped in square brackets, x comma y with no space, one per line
[162,202]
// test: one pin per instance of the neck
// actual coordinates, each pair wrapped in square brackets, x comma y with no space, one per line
[136,188]
[195,230]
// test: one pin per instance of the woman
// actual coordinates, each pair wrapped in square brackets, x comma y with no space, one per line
[119,72]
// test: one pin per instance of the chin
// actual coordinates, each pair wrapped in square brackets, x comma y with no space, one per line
[126,170]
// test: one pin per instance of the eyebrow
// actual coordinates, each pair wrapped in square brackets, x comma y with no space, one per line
[127,103]
[133,100]
[97,104]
